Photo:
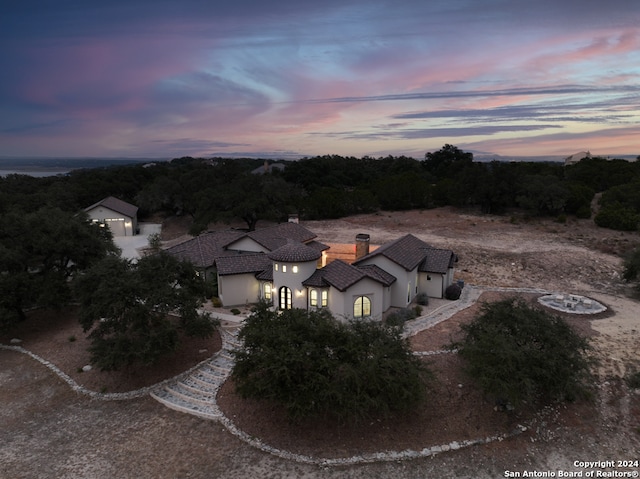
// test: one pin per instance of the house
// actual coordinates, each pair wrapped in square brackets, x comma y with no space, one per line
[120,216]
[285,265]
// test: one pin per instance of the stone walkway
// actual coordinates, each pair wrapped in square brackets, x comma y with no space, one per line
[195,392]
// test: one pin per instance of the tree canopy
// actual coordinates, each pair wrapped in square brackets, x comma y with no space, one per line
[315,366]
[517,353]
[126,309]
[39,252]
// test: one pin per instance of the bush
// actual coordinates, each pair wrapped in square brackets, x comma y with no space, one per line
[617,217]
[315,366]
[631,270]
[516,354]
[422,299]
[398,318]
[453,292]
[633,380]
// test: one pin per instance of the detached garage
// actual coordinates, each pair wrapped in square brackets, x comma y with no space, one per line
[120,216]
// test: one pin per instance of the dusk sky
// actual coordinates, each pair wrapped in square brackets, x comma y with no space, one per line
[164,78]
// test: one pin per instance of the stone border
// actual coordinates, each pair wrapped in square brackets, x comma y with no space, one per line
[469,296]
[94,394]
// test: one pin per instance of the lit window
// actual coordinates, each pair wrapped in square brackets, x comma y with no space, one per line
[313,298]
[275,266]
[284,268]
[285,298]
[325,299]
[267,291]
[295,269]
[361,307]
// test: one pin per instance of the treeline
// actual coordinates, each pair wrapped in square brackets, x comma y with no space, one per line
[333,186]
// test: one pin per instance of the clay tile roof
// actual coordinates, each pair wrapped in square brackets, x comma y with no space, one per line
[378,274]
[342,275]
[438,260]
[274,237]
[203,250]
[407,251]
[293,252]
[119,206]
[242,263]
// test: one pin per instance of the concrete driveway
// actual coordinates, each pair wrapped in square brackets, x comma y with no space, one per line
[131,245]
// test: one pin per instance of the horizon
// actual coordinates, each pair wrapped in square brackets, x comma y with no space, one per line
[164,79]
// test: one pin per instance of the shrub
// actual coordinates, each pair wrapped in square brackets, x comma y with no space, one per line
[422,299]
[516,354]
[617,217]
[399,317]
[453,292]
[315,366]
[633,380]
[216,302]
[235,311]
[632,265]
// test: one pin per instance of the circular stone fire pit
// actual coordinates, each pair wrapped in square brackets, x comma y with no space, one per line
[572,303]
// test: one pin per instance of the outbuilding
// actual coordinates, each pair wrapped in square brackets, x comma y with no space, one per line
[121,217]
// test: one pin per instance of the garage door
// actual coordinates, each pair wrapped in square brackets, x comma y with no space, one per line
[117,226]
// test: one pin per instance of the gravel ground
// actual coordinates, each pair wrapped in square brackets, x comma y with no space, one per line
[50,431]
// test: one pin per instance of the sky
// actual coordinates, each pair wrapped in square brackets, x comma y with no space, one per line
[294,78]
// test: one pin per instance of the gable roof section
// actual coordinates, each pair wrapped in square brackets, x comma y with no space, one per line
[407,251]
[342,275]
[114,204]
[203,250]
[275,236]
[438,260]
[242,263]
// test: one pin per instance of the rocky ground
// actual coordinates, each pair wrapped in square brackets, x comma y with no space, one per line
[50,431]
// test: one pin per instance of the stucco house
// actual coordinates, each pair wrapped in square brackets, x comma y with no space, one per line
[120,216]
[285,265]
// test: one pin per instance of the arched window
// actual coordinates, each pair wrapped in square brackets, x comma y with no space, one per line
[325,299]
[285,298]
[361,307]
[267,291]
[313,298]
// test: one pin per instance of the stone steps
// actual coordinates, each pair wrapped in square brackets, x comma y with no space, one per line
[196,392]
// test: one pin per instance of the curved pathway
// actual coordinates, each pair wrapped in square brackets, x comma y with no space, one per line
[194,391]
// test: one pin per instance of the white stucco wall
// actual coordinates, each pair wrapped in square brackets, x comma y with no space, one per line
[238,289]
[247,244]
[406,280]
[434,287]
[293,281]
[341,303]
[124,226]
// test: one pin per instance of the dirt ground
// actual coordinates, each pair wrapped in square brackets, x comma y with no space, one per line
[50,431]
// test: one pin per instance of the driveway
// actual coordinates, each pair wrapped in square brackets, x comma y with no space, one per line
[131,245]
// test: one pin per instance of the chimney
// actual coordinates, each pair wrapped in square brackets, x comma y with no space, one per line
[362,245]
[294,219]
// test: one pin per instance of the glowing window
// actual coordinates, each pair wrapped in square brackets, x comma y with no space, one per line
[325,299]
[285,298]
[294,269]
[361,307]
[275,266]
[284,268]
[267,291]
[313,297]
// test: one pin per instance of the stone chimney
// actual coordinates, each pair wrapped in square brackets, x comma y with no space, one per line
[362,245]
[294,219]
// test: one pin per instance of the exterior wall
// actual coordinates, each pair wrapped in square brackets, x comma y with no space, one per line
[434,287]
[238,289]
[247,244]
[341,303]
[122,226]
[293,281]
[404,287]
